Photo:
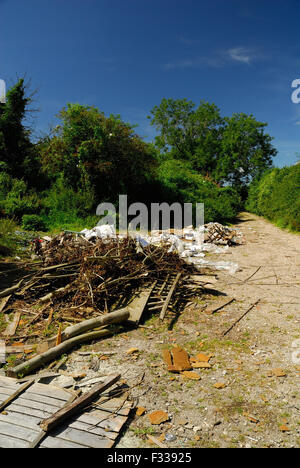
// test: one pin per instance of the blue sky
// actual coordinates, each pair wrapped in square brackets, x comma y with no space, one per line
[124,56]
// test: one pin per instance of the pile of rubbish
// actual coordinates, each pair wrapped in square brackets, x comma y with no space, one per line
[189,243]
[93,279]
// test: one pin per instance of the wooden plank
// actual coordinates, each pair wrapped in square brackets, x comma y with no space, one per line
[18,432]
[7,391]
[137,306]
[3,302]
[36,405]
[43,399]
[79,404]
[92,429]
[10,442]
[21,420]
[50,391]
[13,325]
[83,438]
[55,442]
[29,411]
[118,406]
[107,421]
[8,381]
[169,297]
[15,395]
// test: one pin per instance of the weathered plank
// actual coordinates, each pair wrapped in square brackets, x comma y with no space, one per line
[93,429]
[43,399]
[11,442]
[119,406]
[79,403]
[108,421]
[15,395]
[23,410]
[7,391]
[137,306]
[169,297]
[50,391]
[13,325]
[21,420]
[37,405]
[8,382]
[55,442]
[83,438]
[18,432]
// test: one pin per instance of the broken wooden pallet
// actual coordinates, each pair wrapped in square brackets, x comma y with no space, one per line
[92,428]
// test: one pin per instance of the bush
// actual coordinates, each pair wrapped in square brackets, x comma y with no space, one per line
[33,223]
[184,185]
[277,197]
[7,227]
[15,198]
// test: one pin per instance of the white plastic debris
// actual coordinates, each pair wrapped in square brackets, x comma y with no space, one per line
[188,243]
[103,232]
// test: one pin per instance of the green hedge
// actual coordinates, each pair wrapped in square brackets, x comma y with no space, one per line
[276,196]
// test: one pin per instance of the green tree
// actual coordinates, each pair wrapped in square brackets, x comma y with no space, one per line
[246,150]
[17,152]
[227,150]
[188,133]
[99,155]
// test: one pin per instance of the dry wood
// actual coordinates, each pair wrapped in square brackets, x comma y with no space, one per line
[169,297]
[80,403]
[8,291]
[114,317]
[50,296]
[240,318]
[219,305]
[12,326]
[15,395]
[4,302]
[38,361]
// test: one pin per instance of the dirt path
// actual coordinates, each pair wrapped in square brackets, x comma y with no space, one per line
[257,362]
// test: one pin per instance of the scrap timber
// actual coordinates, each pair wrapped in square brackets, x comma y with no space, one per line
[81,290]
[46,416]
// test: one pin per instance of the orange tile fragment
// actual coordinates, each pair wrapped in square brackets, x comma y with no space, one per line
[132,351]
[158,417]
[203,357]
[201,365]
[279,372]
[181,360]
[140,411]
[220,385]
[190,375]
[284,428]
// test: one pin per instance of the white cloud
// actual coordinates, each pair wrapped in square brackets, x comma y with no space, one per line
[240,54]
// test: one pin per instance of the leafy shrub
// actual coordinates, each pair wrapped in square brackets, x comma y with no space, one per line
[33,223]
[15,199]
[277,197]
[185,185]
[7,227]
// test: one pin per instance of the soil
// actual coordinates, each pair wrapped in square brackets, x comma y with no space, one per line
[257,362]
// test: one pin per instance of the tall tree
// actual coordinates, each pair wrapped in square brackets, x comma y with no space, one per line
[16,150]
[189,133]
[98,154]
[246,150]
[227,150]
